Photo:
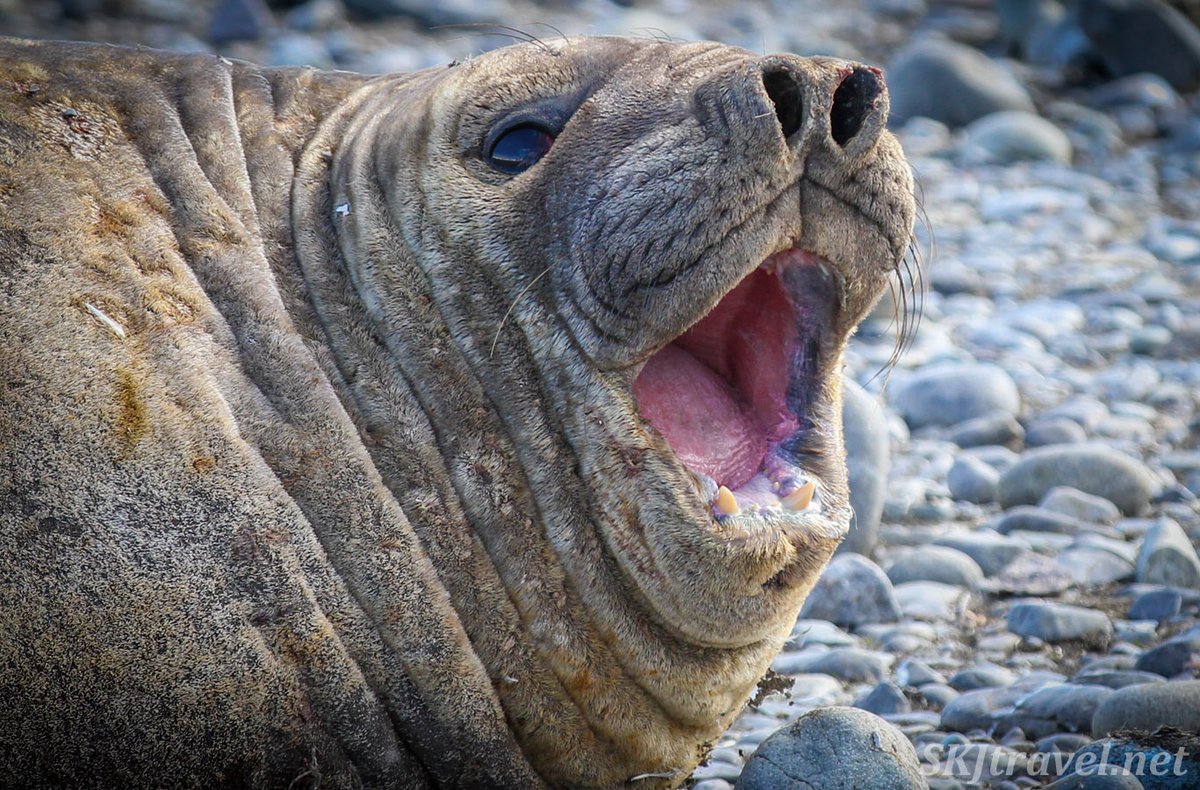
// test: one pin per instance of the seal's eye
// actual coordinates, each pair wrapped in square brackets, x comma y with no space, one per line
[519,148]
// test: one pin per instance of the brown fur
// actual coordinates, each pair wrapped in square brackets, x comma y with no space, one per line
[320,461]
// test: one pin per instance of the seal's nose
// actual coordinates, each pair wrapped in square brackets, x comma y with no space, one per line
[856,104]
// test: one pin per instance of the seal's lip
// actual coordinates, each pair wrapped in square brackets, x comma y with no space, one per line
[732,396]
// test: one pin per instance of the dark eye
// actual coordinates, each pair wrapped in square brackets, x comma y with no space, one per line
[519,148]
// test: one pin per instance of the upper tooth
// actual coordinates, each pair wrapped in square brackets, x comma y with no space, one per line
[801,497]
[726,504]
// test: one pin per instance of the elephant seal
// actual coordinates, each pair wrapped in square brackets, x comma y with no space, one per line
[475,427]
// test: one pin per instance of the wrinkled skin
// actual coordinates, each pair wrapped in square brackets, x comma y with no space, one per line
[320,458]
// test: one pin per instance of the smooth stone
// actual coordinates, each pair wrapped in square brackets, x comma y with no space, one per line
[1015,136]
[848,664]
[912,672]
[834,748]
[1116,678]
[982,676]
[1031,574]
[937,695]
[1134,36]
[885,698]
[989,430]
[948,394]
[972,480]
[1092,567]
[1046,431]
[1080,504]
[868,461]
[1171,658]
[951,83]
[819,632]
[1068,707]
[1092,468]
[980,709]
[712,784]
[931,601]
[852,590]
[1029,518]
[1162,761]
[1156,605]
[1168,557]
[935,564]
[239,20]
[1054,622]
[990,550]
[995,456]
[1066,742]
[1148,706]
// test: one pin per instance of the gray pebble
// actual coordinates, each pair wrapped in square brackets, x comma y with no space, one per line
[1028,518]
[884,699]
[1046,431]
[834,749]
[1116,678]
[949,394]
[937,695]
[988,430]
[931,601]
[1054,622]
[1015,136]
[1149,706]
[1156,605]
[972,480]
[1068,707]
[982,676]
[935,564]
[913,672]
[1080,504]
[848,664]
[1171,658]
[990,550]
[1092,468]
[852,590]
[1168,557]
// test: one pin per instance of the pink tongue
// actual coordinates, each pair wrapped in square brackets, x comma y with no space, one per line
[701,416]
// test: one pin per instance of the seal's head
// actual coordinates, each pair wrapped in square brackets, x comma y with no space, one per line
[650,257]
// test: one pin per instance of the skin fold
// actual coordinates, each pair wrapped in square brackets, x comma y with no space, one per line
[319,459]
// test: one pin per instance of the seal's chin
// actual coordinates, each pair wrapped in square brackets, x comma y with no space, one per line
[732,394]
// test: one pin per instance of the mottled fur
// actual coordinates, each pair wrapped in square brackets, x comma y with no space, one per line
[319,459]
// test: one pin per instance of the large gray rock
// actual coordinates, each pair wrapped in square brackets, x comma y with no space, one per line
[949,394]
[991,551]
[935,564]
[1133,36]
[951,83]
[834,749]
[852,591]
[1015,136]
[1168,557]
[1065,708]
[1056,622]
[1092,468]
[868,460]
[1148,706]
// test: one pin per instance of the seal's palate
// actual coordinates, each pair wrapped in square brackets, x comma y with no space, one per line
[474,427]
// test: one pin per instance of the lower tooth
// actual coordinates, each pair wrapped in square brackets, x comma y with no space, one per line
[726,503]
[801,497]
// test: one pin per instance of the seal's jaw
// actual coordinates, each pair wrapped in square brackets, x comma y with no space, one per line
[733,395]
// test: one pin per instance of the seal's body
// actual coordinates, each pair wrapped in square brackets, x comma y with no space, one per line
[350,430]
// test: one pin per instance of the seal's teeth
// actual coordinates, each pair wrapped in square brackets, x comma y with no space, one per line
[726,503]
[801,497]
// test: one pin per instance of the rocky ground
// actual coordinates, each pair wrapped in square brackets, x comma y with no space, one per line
[1024,581]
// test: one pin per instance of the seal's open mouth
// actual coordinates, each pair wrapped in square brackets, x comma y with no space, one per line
[732,394]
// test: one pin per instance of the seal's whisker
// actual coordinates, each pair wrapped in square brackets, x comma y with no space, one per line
[561,34]
[657,33]
[513,306]
[496,29]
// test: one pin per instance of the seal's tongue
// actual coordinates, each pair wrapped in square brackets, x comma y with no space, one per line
[717,393]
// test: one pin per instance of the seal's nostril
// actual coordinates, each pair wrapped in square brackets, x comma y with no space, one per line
[785,93]
[852,102]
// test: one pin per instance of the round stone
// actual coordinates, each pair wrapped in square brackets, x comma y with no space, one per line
[935,564]
[852,590]
[1148,706]
[1054,622]
[1092,468]
[949,394]
[1015,136]
[835,749]
[972,480]
[951,83]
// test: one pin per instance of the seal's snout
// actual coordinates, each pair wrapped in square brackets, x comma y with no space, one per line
[847,100]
